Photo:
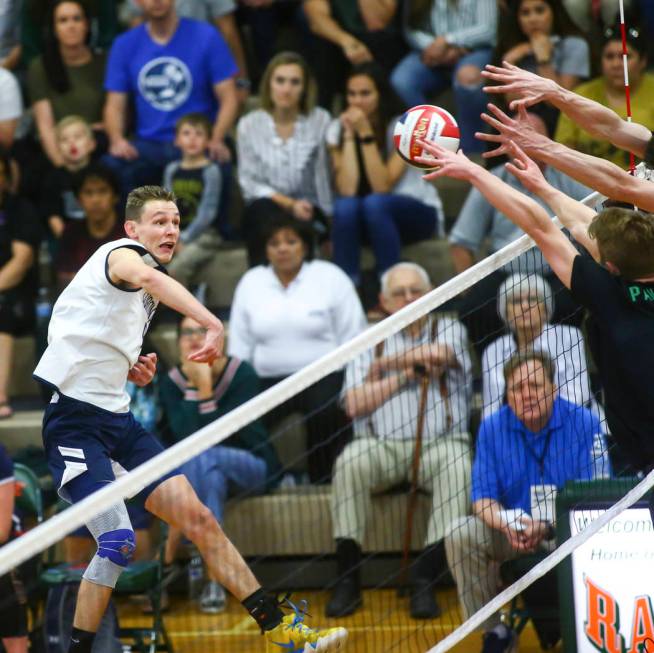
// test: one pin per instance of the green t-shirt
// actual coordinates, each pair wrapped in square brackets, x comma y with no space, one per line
[84,98]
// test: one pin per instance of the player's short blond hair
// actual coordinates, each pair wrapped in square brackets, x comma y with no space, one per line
[73,119]
[139,197]
[625,237]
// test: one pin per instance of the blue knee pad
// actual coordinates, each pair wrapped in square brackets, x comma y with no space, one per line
[117,546]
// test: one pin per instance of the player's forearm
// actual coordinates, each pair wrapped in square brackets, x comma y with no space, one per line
[520,209]
[601,121]
[571,213]
[174,295]
[600,174]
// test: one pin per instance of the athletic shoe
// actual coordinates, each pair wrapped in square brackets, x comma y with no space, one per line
[493,643]
[292,636]
[213,599]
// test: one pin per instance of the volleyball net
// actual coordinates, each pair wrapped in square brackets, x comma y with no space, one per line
[434,452]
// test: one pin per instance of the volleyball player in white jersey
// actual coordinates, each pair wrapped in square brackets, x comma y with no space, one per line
[94,342]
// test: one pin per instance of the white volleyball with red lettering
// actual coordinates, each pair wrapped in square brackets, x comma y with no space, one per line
[429,122]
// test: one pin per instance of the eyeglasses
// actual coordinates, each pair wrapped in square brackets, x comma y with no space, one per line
[189,332]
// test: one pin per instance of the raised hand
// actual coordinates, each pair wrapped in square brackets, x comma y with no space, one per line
[450,164]
[529,88]
[519,130]
[212,347]
[525,169]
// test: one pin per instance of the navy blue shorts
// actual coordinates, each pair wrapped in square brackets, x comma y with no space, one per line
[83,442]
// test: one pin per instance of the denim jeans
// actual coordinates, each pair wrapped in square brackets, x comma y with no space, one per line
[385,221]
[221,472]
[415,83]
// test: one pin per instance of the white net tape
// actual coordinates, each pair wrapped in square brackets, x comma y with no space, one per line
[50,532]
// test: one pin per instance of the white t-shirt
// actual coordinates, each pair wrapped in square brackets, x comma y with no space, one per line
[96,333]
[280,330]
[11,102]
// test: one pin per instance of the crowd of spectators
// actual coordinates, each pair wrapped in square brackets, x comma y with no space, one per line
[196,96]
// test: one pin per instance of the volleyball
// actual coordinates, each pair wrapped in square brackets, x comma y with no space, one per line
[429,122]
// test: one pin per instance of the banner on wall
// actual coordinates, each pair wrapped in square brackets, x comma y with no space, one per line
[613,582]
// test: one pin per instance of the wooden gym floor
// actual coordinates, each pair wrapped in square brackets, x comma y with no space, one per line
[383,624]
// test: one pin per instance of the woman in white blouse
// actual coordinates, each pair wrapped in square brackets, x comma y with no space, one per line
[525,304]
[287,314]
[282,159]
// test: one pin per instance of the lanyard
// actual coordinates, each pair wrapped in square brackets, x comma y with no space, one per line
[539,459]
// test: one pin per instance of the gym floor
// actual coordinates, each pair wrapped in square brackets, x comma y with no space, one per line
[383,624]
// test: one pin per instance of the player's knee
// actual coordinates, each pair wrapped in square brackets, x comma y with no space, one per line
[117,546]
[115,550]
[469,76]
[197,520]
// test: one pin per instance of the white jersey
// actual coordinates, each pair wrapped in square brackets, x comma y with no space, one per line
[96,332]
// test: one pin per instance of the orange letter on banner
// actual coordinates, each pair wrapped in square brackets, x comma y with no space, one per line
[643,624]
[603,625]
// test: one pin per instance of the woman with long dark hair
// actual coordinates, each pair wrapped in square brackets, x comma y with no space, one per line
[380,199]
[539,35]
[68,77]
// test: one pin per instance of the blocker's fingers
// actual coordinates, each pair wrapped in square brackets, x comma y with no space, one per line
[497,89]
[494,123]
[430,146]
[499,114]
[498,151]
[491,138]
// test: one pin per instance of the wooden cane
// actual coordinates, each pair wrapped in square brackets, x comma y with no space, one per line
[413,492]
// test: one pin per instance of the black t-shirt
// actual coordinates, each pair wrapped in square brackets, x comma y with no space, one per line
[621,338]
[58,197]
[18,221]
[649,152]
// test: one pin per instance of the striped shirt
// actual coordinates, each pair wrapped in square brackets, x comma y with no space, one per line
[297,167]
[467,23]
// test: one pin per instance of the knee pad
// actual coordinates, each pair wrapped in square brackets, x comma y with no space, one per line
[116,543]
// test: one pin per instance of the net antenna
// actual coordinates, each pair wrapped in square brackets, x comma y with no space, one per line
[627,90]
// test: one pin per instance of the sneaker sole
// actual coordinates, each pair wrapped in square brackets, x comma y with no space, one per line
[335,641]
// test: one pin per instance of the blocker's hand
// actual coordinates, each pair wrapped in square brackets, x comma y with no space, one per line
[526,170]
[212,347]
[143,370]
[450,164]
[529,88]
[518,130]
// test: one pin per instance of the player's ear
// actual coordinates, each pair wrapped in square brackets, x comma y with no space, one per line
[130,228]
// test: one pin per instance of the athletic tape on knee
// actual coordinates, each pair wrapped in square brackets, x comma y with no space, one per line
[113,532]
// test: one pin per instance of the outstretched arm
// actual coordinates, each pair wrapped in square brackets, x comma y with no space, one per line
[602,175]
[520,209]
[598,120]
[574,215]
[125,265]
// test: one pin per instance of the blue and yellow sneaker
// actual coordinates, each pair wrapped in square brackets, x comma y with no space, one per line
[292,636]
